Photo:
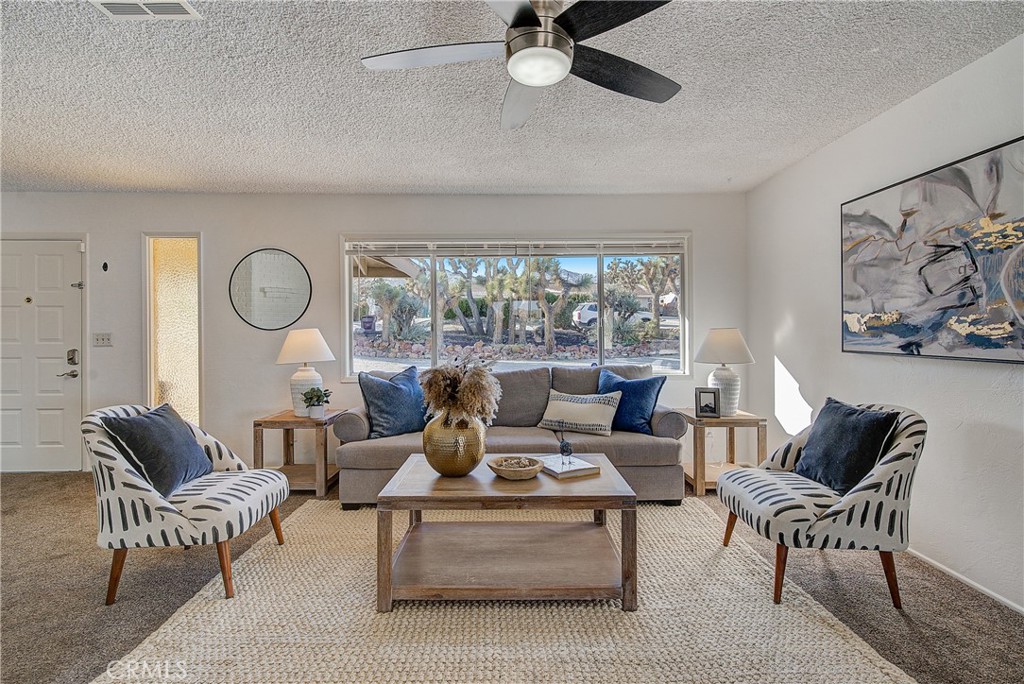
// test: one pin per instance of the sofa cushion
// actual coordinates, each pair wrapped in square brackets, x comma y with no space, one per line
[845,443]
[224,504]
[384,452]
[521,440]
[592,413]
[524,396]
[584,380]
[160,447]
[639,397]
[628,448]
[395,406]
[780,505]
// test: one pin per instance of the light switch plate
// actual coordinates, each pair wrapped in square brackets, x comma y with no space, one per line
[102,340]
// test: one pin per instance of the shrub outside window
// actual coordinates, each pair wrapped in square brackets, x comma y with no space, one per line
[518,304]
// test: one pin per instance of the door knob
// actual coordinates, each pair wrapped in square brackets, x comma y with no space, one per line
[70,374]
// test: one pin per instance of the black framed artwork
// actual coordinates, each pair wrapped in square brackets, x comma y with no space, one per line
[707,402]
[934,265]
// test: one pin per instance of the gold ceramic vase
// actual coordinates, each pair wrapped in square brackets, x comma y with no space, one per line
[454,448]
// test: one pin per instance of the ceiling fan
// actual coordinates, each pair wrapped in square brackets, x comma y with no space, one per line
[542,46]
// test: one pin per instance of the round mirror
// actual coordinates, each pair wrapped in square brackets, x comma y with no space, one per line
[270,289]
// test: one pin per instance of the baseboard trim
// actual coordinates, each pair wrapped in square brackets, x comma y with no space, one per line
[972,584]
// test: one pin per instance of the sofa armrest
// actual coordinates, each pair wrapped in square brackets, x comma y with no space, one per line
[353,425]
[668,422]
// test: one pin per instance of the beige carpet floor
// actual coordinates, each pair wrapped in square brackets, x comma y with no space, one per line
[55,628]
[305,612]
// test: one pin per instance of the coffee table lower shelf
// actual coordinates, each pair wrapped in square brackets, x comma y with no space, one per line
[506,561]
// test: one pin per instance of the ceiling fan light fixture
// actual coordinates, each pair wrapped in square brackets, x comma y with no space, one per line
[539,66]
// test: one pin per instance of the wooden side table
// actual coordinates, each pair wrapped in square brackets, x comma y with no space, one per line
[704,476]
[316,476]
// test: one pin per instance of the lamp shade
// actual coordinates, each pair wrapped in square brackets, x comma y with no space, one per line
[304,346]
[724,345]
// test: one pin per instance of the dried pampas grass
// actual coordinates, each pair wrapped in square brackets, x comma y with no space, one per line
[465,388]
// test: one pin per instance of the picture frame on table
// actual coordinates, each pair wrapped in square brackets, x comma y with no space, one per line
[707,402]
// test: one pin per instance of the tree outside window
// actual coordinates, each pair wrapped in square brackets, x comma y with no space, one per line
[516,310]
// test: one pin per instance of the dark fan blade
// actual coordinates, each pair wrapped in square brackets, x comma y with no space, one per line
[618,74]
[436,54]
[519,103]
[587,18]
[515,13]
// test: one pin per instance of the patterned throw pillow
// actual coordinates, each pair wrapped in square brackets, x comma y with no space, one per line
[394,406]
[160,447]
[590,413]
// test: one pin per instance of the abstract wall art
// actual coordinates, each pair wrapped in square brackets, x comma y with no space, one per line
[934,265]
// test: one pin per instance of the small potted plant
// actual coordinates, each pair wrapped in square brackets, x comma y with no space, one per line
[315,399]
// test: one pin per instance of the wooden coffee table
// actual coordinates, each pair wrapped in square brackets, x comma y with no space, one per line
[505,560]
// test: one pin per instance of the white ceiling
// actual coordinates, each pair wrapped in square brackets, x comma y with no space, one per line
[271,97]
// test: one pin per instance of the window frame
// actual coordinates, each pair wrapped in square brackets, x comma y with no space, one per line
[641,245]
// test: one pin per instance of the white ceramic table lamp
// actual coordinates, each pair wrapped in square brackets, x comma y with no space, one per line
[304,346]
[722,346]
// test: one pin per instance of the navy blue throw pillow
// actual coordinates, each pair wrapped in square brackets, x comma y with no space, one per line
[639,397]
[393,406]
[160,447]
[844,445]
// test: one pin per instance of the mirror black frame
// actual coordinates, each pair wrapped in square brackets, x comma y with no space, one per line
[305,270]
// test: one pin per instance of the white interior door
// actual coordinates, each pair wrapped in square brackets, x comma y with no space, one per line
[41,353]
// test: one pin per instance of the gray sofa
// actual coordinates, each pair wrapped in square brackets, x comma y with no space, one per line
[651,464]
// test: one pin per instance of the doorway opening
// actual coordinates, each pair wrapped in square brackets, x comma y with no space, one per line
[174,348]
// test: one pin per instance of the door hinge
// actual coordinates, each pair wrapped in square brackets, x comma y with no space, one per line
[80,285]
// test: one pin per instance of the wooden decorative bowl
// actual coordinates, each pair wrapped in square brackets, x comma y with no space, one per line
[511,468]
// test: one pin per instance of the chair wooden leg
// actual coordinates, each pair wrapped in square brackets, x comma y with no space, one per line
[889,566]
[115,574]
[729,525]
[275,520]
[224,554]
[781,553]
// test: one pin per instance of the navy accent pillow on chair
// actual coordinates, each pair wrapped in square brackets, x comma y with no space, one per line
[639,397]
[160,446]
[393,406]
[845,443]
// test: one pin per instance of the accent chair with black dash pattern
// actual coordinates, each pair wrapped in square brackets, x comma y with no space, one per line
[212,509]
[795,512]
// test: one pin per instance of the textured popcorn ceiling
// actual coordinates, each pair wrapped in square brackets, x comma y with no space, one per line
[271,97]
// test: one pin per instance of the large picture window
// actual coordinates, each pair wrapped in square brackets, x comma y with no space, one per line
[519,304]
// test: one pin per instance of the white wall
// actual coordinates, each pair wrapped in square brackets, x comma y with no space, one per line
[240,378]
[967,502]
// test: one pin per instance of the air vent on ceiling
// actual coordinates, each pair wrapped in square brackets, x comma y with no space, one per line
[135,11]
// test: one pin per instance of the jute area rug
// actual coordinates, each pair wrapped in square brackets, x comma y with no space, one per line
[305,612]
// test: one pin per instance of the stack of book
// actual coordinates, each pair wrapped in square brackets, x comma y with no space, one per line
[565,467]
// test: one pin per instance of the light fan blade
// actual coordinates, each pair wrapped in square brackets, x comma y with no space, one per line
[588,18]
[515,13]
[519,103]
[621,75]
[436,54]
